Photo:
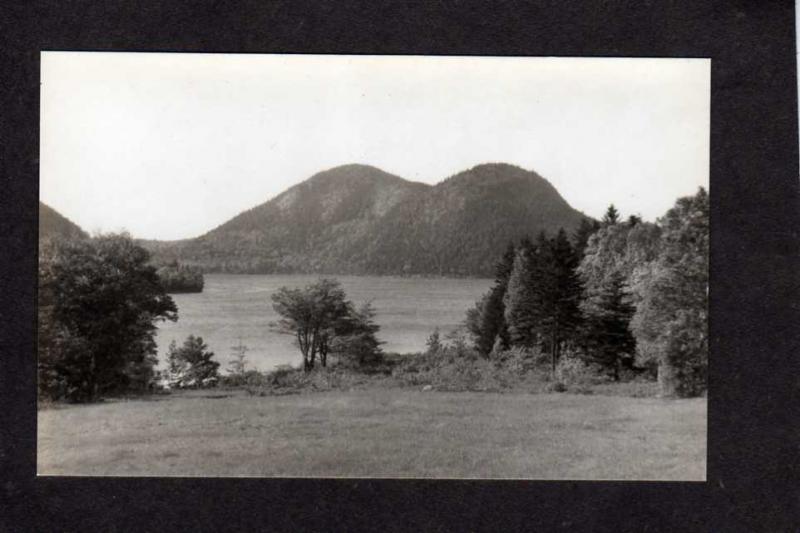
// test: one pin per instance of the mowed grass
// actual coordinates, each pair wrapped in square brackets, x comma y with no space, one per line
[392,433]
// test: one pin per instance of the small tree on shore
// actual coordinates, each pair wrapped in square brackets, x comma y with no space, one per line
[319,317]
[237,366]
[192,365]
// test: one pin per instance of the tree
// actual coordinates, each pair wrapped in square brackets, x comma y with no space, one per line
[519,304]
[177,278]
[355,338]
[671,319]
[618,249]
[611,256]
[237,366]
[192,365]
[99,301]
[611,217]
[434,343]
[557,291]
[486,322]
[634,219]
[585,230]
[314,316]
[607,337]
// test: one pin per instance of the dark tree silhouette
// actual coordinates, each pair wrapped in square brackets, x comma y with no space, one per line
[99,301]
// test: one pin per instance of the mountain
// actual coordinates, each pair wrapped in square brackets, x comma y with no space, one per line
[357,219]
[54,224]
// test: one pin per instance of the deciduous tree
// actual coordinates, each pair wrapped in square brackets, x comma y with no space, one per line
[100,301]
[671,319]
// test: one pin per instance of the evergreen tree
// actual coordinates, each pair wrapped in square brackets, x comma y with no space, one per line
[519,303]
[611,217]
[633,220]
[486,322]
[355,340]
[192,365]
[607,337]
[557,290]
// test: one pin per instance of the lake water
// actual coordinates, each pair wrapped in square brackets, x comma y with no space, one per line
[238,307]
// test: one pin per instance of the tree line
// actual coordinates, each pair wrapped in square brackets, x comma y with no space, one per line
[178,278]
[621,295]
[625,296]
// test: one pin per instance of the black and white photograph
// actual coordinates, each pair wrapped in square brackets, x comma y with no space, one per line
[373,266]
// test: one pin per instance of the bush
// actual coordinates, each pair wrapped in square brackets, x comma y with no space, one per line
[574,370]
[457,367]
[290,380]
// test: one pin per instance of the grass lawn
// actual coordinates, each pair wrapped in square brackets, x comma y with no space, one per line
[378,433]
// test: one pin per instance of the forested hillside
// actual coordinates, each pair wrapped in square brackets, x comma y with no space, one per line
[357,219]
[54,225]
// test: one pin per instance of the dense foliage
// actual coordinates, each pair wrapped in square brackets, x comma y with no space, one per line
[357,219]
[671,320]
[177,278]
[98,304]
[622,296]
[322,321]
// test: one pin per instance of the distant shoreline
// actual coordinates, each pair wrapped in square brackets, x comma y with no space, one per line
[320,274]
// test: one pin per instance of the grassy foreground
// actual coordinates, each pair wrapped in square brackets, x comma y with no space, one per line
[378,433]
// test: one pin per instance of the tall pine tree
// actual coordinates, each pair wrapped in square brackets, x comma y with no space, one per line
[607,337]
[520,306]
[611,217]
[557,291]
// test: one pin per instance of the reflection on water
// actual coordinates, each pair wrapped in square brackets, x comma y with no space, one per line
[234,307]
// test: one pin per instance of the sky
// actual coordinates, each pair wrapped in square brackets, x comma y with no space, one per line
[169,146]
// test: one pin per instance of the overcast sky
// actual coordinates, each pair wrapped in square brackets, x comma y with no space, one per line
[169,146]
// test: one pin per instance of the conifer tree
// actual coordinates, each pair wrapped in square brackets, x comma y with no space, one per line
[611,217]
[607,337]
[487,321]
[520,306]
[557,290]
[192,364]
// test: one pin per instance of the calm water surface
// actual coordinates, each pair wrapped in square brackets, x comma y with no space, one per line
[234,307]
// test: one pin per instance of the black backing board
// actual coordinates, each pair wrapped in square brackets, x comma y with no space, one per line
[753,430]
